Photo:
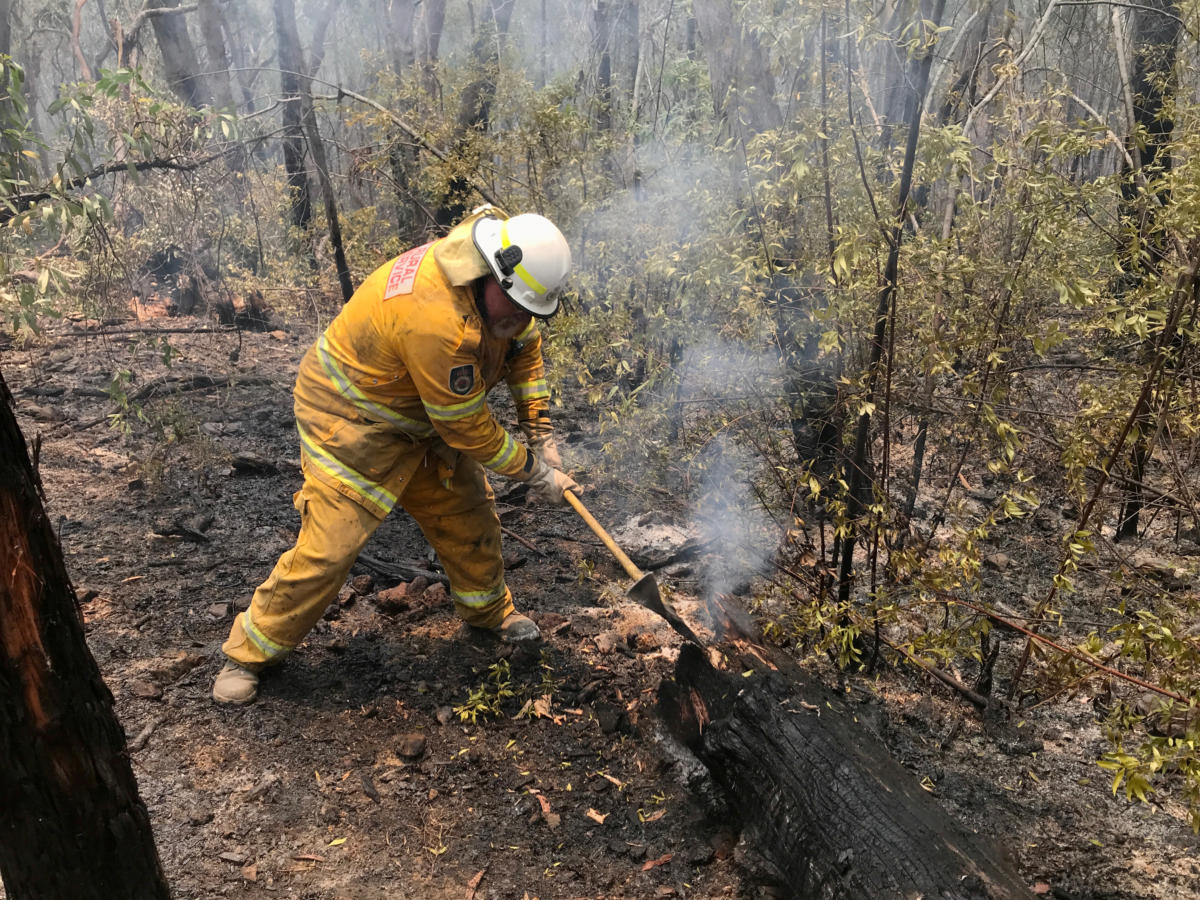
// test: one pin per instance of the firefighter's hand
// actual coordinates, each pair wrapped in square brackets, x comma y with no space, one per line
[547,451]
[549,484]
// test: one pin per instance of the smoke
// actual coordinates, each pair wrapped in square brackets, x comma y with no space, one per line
[671,218]
[671,200]
[720,370]
[729,518]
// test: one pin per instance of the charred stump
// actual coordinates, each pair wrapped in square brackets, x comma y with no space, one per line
[822,800]
[71,822]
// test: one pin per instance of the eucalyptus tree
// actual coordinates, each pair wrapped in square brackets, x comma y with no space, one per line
[72,824]
[181,63]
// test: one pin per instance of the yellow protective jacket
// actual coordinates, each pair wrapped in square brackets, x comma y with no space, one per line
[405,368]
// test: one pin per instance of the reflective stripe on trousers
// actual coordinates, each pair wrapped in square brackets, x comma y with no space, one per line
[370,491]
[460,523]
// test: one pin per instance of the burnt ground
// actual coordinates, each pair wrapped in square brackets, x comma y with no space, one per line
[353,777]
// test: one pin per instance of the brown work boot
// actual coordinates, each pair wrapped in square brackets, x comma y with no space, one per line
[517,629]
[235,685]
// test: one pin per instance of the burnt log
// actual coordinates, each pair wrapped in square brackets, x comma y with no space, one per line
[819,797]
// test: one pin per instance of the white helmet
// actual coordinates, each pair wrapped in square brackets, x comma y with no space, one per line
[529,257]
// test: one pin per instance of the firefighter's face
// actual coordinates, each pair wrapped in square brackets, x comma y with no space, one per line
[504,319]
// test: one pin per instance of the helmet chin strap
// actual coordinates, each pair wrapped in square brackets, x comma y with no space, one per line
[481,299]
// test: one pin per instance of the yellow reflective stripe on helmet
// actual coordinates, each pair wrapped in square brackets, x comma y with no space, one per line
[518,268]
[531,390]
[477,599]
[269,648]
[455,411]
[342,473]
[412,427]
[504,455]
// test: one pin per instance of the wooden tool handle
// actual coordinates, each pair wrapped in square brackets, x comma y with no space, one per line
[626,563]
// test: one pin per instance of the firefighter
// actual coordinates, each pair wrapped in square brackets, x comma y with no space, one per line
[391,409]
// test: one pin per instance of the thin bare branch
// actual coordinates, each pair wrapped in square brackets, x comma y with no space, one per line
[1138,6]
[1015,66]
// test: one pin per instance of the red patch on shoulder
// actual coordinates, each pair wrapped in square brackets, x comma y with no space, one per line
[404,272]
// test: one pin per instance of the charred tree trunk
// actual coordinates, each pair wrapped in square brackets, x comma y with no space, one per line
[300,122]
[71,824]
[859,483]
[821,799]
[428,43]
[33,79]
[6,27]
[402,151]
[180,63]
[602,36]
[1155,43]
[291,72]
[317,148]
[211,28]
[475,111]
[245,73]
[627,48]
[739,70]
[401,19]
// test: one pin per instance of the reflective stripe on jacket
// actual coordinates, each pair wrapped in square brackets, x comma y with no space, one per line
[408,361]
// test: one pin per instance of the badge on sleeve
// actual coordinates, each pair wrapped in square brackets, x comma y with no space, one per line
[462,379]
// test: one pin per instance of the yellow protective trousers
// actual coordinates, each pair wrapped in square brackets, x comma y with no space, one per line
[457,515]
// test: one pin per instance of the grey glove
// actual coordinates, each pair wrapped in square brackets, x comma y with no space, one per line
[549,484]
[547,451]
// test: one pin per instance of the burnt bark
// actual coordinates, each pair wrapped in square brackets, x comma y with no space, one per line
[6,27]
[820,798]
[71,824]
[246,75]
[627,47]
[401,21]
[317,148]
[300,124]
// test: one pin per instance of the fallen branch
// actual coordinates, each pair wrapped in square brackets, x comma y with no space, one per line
[19,203]
[516,537]
[945,678]
[569,537]
[269,780]
[199,329]
[402,571]
[1074,654]
[178,384]
[144,735]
